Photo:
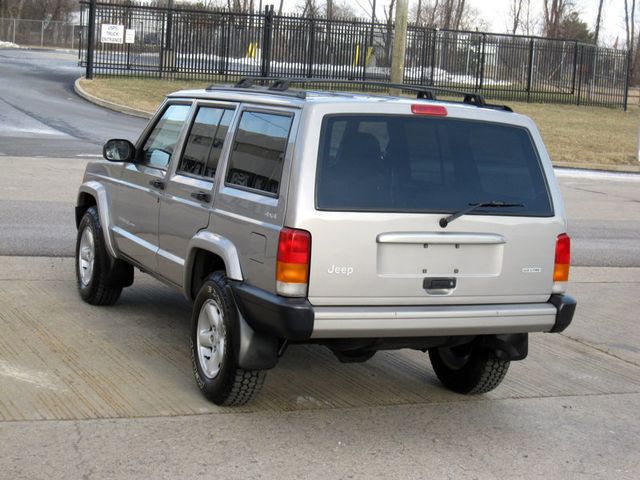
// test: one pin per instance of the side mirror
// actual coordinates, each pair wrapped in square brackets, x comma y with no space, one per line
[117,150]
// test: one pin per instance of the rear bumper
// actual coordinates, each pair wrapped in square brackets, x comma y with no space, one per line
[434,321]
[297,319]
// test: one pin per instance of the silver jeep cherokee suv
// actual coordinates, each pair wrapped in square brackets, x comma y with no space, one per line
[359,222]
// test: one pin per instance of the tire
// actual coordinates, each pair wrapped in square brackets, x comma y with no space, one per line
[468,369]
[95,268]
[214,325]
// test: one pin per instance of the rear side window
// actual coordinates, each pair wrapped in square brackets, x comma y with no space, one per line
[258,151]
[205,142]
[426,164]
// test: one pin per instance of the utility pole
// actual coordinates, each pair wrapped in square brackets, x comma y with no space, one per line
[399,44]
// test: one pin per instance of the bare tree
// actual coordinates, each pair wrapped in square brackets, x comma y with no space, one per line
[445,14]
[451,14]
[343,10]
[515,12]
[426,13]
[630,25]
[309,8]
[239,6]
[598,20]
[554,12]
[529,20]
[49,10]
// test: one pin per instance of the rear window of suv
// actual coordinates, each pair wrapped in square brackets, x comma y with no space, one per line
[395,163]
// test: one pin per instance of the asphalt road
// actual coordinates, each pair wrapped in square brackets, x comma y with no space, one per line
[40,116]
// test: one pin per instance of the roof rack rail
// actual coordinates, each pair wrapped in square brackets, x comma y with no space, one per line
[281,85]
[247,84]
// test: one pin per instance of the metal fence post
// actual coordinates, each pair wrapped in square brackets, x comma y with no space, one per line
[482,60]
[42,34]
[423,60]
[91,39]
[626,87]
[266,41]
[530,71]
[312,46]
[580,75]
[14,30]
[433,55]
[575,68]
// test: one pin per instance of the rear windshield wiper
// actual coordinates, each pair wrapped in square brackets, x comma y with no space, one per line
[444,221]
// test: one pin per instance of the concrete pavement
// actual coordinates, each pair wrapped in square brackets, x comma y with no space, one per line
[108,393]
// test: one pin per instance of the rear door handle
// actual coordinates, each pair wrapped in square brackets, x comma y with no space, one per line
[202,196]
[159,184]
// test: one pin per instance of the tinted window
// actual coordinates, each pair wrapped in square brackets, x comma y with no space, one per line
[427,164]
[159,146]
[205,142]
[258,151]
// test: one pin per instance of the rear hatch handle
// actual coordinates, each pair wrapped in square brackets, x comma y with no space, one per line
[439,285]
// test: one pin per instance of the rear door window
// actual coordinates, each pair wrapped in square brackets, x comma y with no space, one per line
[426,164]
[258,151]
[205,142]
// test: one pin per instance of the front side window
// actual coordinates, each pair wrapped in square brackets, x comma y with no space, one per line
[396,163]
[205,142]
[162,141]
[258,151]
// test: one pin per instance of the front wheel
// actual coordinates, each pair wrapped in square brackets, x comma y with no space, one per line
[213,328]
[100,278]
[467,368]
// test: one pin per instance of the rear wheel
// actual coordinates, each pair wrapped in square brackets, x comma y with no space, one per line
[213,328]
[467,368]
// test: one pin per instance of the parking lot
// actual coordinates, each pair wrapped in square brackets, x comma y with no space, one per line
[83,386]
[101,393]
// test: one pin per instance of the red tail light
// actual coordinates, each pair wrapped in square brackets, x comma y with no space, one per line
[426,109]
[563,258]
[294,255]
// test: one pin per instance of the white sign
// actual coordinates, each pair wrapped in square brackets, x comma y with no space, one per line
[112,33]
[130,36]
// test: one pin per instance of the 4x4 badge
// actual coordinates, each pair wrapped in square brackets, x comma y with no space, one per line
[531,270]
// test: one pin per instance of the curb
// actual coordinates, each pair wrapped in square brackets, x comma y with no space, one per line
[106,104]
[598,167]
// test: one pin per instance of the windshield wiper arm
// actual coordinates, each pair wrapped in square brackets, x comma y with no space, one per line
[444,221]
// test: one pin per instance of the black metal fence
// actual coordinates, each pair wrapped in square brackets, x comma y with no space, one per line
[222,46]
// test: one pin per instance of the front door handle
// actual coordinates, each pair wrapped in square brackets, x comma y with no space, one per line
[202,196]
[159,184]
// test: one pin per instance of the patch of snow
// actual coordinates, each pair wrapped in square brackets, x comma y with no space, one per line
[8,45]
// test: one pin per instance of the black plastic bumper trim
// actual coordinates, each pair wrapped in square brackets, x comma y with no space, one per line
[566,306]
[281,317]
